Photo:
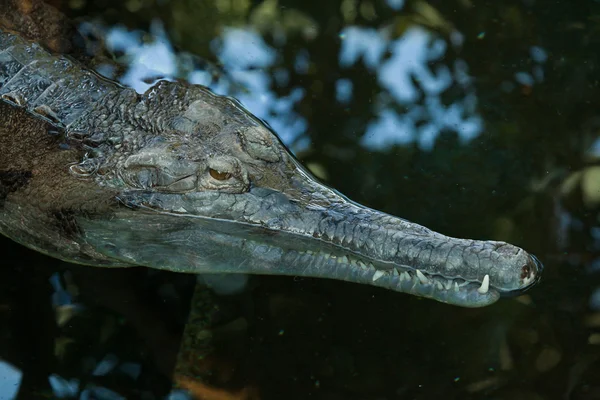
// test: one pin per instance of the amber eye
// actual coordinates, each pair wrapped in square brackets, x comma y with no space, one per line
[218,175]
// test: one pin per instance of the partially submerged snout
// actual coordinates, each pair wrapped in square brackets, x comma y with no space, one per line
[357,244]
[477,280]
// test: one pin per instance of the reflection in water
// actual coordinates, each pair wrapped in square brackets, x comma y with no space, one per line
[511,103]
[361,43]
[410,81]
[247,62]
[63,388]
[146,60]
[343,90]
[529,78]
[250,65]
[406,76]
[10,380]
[395,4]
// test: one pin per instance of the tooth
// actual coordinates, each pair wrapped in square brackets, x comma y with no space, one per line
[456,288]
[422,277]
[449,284]
[371,266]
[485,285]
[395,272]
[405,276]
[439,285]
[343,260]
[377,275]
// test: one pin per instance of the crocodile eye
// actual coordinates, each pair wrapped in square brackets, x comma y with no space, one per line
[218,175]
[225,174]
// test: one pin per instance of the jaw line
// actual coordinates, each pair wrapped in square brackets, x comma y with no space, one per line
[375,270]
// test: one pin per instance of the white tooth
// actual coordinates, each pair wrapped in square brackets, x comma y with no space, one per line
[422,277]
[405,276]
[371,266]
[439,285]
[485,285]
[456,288]
[343,260]
[377,275]
[395,272]
[449,284]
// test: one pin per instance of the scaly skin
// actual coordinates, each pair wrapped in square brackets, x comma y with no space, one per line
[182,179]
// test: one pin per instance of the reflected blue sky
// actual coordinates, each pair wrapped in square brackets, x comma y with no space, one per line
[406,76]
[535,74]
[146,60]
[366,44]
[395,5]
[10,380]
[595,148]
[411,69]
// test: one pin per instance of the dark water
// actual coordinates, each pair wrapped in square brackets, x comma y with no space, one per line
[477,119]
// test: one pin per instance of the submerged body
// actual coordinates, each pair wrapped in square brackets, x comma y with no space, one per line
[182,179]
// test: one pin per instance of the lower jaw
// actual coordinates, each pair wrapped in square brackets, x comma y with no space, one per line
[465,294]
[451,291]
[268,259]
[215,249]
[352,268]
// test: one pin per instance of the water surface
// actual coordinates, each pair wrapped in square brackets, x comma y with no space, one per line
[476,119]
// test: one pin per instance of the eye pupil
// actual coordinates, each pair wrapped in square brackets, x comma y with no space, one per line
[218,175]
[525,272]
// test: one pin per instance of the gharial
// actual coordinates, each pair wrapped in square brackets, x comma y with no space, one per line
[179,178]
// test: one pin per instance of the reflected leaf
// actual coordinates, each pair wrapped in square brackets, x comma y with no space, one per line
[10,380]
[100,393]
[133,370]
[548,359]
[63,388]
[61,346]
[106,365]
[429,16]
[65,313]
[594,339]
[590,186]
[270,18]
[108,328]
[318,170]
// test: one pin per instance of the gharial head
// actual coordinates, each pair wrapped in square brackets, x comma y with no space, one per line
[209,188]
